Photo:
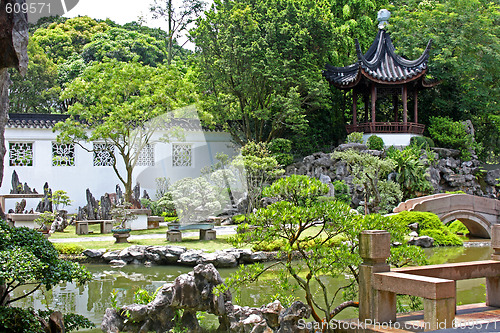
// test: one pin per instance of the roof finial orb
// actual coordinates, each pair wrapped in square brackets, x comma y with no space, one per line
[383,18]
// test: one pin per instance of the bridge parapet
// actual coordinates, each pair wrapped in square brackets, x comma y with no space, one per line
[435,283]
[477,213]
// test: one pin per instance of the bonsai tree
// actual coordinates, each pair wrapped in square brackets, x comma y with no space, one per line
[60,197]
[122,214]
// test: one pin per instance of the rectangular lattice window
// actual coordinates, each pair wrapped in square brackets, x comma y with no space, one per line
[147,156]
[103,154]
[20,153]
[182,155]
[63,154]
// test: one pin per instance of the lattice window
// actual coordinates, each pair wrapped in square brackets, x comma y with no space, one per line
[103,154]
[63,154]
[147,156]
[20,153]
[182,155]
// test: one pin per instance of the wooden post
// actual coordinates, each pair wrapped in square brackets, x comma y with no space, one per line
[415,106]
[367,102]
[354,107]
[374,101]
[405,106]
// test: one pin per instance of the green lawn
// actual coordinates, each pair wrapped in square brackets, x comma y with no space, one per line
[95,231]
[188,242]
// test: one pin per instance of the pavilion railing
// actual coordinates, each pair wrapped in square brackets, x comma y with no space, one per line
[387,127]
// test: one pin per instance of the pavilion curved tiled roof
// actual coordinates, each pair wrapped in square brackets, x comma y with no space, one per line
[48,121]
[379,64]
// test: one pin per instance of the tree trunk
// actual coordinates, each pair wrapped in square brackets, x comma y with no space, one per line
[4,109]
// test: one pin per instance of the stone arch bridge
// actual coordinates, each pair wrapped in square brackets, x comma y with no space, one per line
[478,214]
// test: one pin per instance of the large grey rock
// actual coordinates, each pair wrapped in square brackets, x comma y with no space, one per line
[444,152]
[422,241]
[492,177]
[176,250]
[289,318]
[136,252]
[111,255]
[271,312]
[225,260]
[355,146]
[93,253]
[191,257]
[112,322]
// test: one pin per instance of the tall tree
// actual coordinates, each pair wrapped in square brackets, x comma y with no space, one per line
[38,91]
[465,57]
[122,104]
[260,64]
[178,19]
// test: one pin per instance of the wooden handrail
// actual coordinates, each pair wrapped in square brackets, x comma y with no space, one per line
[386,127]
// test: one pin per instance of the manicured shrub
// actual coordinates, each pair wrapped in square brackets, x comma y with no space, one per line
[355,137]
[458,227]
[68,248]
[442,237]
[429,225]
[375,143]
[280,148]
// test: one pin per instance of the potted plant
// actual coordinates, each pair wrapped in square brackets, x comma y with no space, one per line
[61,197]
[122,217]
[45,221]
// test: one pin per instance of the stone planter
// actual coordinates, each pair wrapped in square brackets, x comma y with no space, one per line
[121,235]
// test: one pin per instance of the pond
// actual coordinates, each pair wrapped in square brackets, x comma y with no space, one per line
[92,299]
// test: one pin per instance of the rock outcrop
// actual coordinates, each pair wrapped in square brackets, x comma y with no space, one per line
[446,172]
[177,255]
[193,292]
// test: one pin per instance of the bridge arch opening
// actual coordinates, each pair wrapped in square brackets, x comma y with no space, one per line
[478,226]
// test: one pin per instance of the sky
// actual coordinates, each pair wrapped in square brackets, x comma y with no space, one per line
[121,11]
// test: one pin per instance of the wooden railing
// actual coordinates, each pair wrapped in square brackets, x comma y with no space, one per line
[386,127]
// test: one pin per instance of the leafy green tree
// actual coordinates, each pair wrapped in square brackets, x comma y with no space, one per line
[370,171]
[324,236]
[121,104]
[178,19]
[124,45]
[257,168]
[27,259]
[260,65]
[465,57]
[38,91]
[60,40]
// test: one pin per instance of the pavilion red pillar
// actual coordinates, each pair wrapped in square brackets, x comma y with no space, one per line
[405,106]
[374,101]
[354,107]
[366,101]
[415,106]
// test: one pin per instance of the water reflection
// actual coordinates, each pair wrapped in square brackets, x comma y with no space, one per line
[92,299]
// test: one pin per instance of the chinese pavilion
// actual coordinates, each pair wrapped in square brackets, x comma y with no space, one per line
[381,72]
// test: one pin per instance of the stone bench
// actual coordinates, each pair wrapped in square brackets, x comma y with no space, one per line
[17,196]
[154,221]
[174,233]
[82,227]
[23,220]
